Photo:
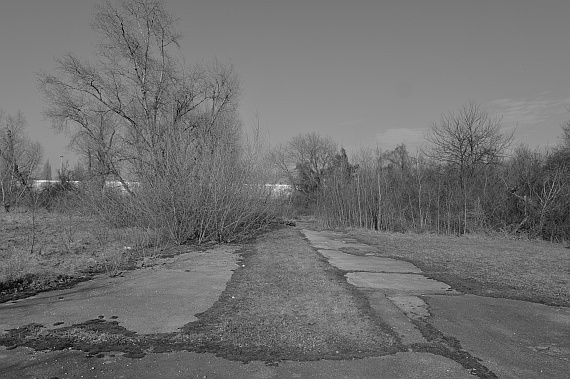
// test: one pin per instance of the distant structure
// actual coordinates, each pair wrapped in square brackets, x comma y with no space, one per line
[279,190]
[43,183]
[275,190]
[113,184]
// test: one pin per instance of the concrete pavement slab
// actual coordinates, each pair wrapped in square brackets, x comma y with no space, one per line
[412,306]
[396,283]
[398,320]
[335,241]
[350,262]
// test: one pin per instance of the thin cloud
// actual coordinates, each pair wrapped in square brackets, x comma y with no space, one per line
[523,112]
[390,138]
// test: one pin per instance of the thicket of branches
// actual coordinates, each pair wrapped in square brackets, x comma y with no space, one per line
[141,115]
[465,181]
[19,159]
[526,193]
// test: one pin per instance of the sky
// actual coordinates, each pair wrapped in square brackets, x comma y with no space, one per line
[366,73]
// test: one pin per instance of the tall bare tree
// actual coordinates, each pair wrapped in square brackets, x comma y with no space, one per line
[126,108]
[19,158]
[140,113]
[468,141]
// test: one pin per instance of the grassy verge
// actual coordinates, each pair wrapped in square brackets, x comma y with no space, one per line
[48,250]
[283,302]
[534,271]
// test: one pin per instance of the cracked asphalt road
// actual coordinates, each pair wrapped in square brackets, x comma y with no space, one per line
[449,334]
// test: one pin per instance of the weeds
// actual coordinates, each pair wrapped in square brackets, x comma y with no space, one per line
[70,245]
[15,262]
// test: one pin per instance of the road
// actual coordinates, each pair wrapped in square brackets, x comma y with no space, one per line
[448,334]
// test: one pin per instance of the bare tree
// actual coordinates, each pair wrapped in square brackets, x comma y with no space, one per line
[19,158]
[126,108]
[468,141]
[140,113]
[305,160]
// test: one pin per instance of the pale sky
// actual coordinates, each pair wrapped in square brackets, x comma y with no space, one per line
[365,73]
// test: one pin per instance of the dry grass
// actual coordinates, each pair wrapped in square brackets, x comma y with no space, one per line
[52,242]
[42,250]
[536,271]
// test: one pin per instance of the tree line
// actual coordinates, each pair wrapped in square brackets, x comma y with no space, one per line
[469,178]
[141,113]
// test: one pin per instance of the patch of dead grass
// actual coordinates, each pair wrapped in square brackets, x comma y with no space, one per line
[50,245]
[33,253]
[535,271]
